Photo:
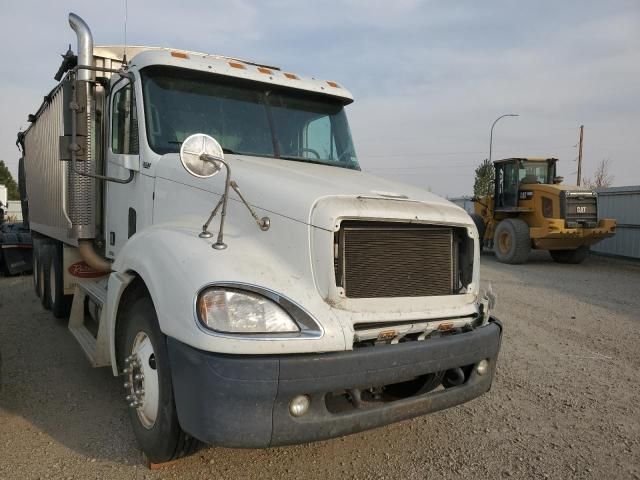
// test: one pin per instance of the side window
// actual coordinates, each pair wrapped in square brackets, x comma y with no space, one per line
[510,185]
[319,139]
[124,122]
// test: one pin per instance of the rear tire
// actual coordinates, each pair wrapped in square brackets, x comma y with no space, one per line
[155,422]
[482,228]
[35,268]
[511,242]
[570,256]
[60,303]
[22,187]
[44,264]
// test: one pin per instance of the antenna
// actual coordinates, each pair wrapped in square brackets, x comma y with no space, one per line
[124,57]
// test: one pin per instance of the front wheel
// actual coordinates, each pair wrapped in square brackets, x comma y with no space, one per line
[511,241]
[148,386]
[570,256]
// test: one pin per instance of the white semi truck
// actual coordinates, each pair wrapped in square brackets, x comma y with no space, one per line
[204,223]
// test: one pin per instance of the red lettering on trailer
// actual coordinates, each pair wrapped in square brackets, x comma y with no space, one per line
[82,270]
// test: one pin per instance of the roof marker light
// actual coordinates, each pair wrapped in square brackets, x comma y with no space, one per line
[237,65]
[291,76]
[332,84]
[179,55]
[264,70]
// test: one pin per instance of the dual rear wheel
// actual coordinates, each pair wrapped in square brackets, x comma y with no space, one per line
[48,277]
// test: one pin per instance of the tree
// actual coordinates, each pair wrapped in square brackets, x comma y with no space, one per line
[601,178]
[484,182]
[7,180]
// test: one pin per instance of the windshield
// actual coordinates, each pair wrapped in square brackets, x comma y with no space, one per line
[533,172]
[246,118]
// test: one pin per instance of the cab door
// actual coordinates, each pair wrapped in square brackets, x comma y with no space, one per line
[507,182]
[122,157]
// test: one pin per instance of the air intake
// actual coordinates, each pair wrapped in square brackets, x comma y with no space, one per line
[396,260]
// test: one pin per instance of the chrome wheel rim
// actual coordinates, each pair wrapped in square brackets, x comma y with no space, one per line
[142,384]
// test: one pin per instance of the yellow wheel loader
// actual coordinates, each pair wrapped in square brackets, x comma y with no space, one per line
[530,208]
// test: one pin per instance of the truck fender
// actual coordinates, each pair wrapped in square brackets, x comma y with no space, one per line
[148,255]
[118,282]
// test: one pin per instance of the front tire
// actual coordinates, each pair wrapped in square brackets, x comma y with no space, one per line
[511,241]
[148,386]
[570,256]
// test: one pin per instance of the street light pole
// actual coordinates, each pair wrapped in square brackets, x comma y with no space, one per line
[493,125]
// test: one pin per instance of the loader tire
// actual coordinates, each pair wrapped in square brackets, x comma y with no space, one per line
[511,241]
[482,228]
[570,256]
[155,424]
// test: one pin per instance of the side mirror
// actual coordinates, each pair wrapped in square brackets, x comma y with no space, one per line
[199,153]
[558,180]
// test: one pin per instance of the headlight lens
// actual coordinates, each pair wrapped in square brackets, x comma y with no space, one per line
[233,311]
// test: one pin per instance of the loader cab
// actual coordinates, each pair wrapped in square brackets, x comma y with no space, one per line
[511,173]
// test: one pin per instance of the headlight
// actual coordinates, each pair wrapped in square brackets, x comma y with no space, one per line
[233,311]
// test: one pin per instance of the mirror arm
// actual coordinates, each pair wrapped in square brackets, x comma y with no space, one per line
[263,223]
[205,233]
[219,245]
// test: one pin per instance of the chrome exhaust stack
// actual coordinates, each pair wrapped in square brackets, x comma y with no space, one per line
[81,171]
[85,46]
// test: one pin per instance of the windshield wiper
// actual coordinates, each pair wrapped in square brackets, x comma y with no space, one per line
[319,162]
[303,159]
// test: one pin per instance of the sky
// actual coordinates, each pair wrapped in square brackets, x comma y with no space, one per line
[428,77]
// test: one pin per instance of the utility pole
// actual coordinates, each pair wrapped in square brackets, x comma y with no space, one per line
[580,154]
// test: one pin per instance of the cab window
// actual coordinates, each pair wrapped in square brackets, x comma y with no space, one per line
[124,126]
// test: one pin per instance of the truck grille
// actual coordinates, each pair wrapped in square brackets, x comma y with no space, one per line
[579,208]
[395,260]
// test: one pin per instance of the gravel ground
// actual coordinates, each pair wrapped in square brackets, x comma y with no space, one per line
[564,403]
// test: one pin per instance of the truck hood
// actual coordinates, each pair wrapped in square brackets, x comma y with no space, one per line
[293,189]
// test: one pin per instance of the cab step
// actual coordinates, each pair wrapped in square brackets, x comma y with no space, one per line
[96,348]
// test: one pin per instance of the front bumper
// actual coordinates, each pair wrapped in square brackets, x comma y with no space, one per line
[555,234]
[243,401]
